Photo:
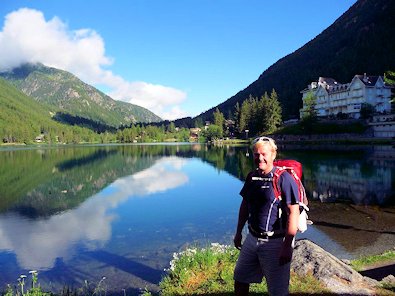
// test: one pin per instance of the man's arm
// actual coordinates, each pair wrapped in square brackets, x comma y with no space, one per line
[243,217]
[292,228]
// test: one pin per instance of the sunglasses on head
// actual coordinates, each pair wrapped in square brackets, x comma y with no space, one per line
[263,139]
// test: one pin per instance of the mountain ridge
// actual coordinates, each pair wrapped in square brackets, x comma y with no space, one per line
[365,32]
[22,119]
[66,93]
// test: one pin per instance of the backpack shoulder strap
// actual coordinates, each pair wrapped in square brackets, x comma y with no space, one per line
[276,186]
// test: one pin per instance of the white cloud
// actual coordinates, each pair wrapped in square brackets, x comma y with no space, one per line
[160,99]
[28,37]
[174,113]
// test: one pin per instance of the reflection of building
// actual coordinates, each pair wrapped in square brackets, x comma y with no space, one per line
[382,155]
[383,126]
[333,98]
[352,181]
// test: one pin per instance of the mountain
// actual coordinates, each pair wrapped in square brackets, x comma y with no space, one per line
[22,119]
[361,41]
[66,94]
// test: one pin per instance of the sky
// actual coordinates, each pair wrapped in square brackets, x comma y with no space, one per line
[176,58]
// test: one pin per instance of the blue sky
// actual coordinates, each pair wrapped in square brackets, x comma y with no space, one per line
[176,57]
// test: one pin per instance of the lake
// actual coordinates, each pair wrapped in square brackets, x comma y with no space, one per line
[77,214]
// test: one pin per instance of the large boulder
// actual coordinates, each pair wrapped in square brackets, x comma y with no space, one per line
[338,277]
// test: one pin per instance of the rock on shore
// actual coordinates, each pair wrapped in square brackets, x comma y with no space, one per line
[338,277]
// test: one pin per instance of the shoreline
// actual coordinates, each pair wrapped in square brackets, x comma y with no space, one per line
[318,139]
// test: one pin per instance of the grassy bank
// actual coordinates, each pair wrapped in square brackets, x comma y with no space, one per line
[367,262]
[207,271]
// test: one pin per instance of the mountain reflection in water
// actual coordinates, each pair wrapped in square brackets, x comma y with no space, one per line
[80,213]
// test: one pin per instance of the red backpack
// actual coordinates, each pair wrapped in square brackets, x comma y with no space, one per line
[294,168]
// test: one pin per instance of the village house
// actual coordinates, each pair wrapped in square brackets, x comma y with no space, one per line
[40,138]
[194,133]
[334,98]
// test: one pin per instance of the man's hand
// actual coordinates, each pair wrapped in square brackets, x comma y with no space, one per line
[285,254]
[243,217]
[237,240]
[292,228]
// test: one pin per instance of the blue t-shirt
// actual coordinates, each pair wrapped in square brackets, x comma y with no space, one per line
[263,207]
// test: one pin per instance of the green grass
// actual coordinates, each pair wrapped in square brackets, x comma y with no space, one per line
[209,271]
[369,261]
[236,141]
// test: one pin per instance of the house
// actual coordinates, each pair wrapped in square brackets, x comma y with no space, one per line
[40,138]
[194,133]
[334,98]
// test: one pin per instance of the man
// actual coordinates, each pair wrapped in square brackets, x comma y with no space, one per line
[272,223]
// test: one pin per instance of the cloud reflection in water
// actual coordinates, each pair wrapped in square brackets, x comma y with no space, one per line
[37,243]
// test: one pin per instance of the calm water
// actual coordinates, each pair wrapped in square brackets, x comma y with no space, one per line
[81,213]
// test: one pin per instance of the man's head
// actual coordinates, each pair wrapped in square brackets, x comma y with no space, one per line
[265,151]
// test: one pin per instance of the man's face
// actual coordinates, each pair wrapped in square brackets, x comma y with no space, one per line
[264,157]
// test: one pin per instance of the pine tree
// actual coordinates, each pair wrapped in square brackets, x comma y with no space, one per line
[260,116]
[171,128]
[272,115]
[199,122]
[236,116]
[219,120]
[254,117]
[310,113]
[309,110]
[389,78]
[245,116]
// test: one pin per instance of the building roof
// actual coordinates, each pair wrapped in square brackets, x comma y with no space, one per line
[332,86]
[327,81]
[368,80]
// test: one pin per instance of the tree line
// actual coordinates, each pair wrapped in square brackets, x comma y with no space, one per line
[23,120]
[76,134]
[255,116]
[152,133]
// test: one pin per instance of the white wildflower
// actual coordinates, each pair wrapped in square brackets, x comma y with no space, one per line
[218,248]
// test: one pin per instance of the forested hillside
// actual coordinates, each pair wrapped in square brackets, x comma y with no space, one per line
[65,93]
[22,119]
[361,41]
